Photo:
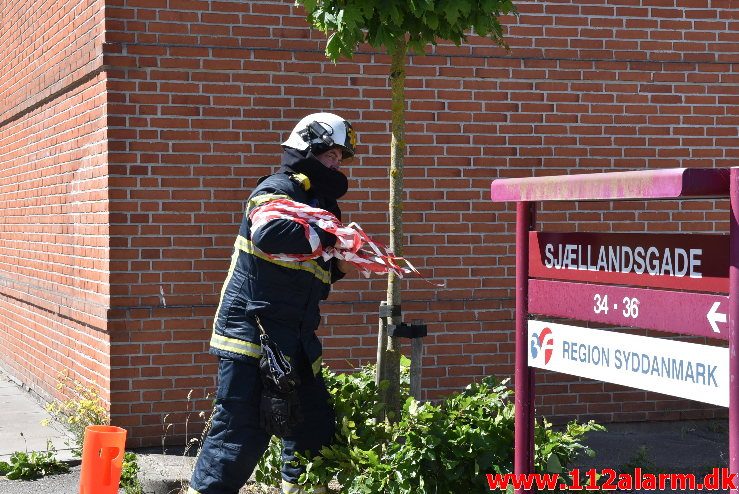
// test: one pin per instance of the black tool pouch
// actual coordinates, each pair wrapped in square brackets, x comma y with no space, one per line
[279,409]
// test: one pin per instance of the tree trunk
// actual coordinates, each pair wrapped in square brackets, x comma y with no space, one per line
[388,367]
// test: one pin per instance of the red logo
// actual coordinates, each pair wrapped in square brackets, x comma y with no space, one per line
[546,342]
[543,341]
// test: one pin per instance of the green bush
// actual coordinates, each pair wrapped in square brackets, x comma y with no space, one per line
[434,448]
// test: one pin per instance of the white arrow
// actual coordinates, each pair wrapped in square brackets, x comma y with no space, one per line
[714,317]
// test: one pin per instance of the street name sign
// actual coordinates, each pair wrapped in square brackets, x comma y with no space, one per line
[683,262]
[675,368]
[699,314]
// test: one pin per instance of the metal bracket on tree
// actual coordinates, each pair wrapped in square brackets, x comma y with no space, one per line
[405,330]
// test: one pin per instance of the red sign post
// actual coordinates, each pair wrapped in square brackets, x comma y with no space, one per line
[633,280]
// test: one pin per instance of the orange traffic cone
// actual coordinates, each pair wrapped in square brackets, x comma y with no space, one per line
[102,459]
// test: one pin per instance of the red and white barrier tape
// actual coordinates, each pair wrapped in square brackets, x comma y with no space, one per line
[353,245]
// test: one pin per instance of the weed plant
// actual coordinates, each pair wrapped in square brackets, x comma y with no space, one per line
[87,408]
[33,465]
[129,475]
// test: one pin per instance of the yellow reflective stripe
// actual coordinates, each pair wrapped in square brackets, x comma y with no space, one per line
[234,258]
[316,366]
[310,266]
[289,488]
[190,490]
[235,346]
[257,201]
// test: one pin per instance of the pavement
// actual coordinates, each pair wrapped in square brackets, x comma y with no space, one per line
[682,447]
[676,447]
[656,447]
[20,423]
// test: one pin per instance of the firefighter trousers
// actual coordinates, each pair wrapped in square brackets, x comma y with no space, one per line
[236,442]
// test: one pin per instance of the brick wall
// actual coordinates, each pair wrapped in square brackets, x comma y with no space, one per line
[54,292]
[200,93]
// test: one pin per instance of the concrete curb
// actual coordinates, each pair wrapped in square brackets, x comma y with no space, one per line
[168,474]
[164,474]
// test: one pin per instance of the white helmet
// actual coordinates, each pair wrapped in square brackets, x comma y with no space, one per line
[322,131]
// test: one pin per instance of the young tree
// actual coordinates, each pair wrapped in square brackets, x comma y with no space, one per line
[399,27]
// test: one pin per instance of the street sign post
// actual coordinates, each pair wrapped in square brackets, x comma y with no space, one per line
[632,280]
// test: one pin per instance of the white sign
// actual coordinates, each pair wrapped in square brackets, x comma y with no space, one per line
[675,368]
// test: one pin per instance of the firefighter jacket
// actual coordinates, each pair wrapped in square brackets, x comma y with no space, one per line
[284,295]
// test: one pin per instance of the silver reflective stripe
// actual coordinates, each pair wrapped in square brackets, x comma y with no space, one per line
[234,258]
[232,344]
[235,346]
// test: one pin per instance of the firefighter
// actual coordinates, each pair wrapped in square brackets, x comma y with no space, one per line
[280,299]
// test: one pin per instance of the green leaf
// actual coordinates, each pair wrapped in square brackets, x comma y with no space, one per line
[396,15]
[553,465]
[310,5]
[452,12]
[334,47]
[431,20]
[352,17]
[465,7]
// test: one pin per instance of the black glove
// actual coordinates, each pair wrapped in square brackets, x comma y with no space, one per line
[279,413]
[279,409]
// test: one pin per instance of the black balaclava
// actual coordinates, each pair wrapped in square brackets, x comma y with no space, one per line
[324,181]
